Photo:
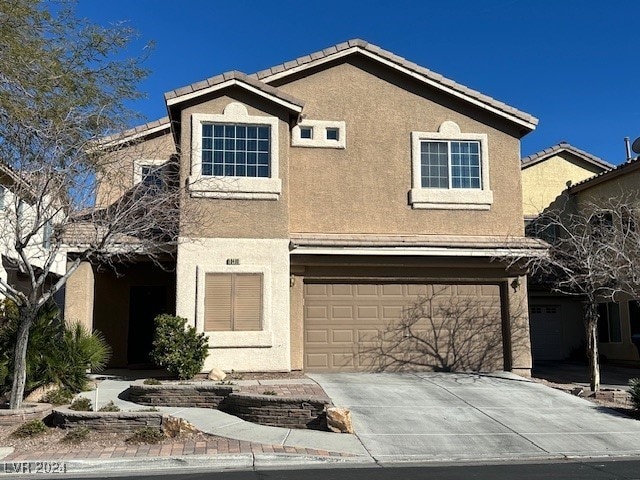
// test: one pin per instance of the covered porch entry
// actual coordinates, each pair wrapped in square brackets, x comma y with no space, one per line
[122,304]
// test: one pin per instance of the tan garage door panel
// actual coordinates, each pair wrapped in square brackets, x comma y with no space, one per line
[402,327]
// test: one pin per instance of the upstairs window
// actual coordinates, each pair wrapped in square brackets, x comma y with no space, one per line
[450,170]
[235,155]
[234,150]
[450,164]
[152,176]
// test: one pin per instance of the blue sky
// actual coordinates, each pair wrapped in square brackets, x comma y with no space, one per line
[574,64]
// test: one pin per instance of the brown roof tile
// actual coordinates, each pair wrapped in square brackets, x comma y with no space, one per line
[564,146]
[234,75]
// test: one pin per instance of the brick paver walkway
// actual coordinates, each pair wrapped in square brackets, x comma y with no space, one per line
[212,446]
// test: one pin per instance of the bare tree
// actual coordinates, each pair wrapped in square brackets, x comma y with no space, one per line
[62,90]
[594,246]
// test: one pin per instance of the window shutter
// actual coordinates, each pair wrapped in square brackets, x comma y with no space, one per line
[247,302]
[233,302]
[218,310]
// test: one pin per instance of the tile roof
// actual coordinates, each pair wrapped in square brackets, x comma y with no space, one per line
[263,77]
[411,241]
[232,75]
[137,132]
[564,146]
[613,172]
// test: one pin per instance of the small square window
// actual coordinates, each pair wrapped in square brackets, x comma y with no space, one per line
[333,134]
[306,132]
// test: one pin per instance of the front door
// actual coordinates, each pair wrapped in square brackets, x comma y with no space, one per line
[145,303]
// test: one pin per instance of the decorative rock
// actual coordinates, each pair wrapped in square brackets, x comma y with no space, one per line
[216,374]
[38,394]
[174,426]
[339,420]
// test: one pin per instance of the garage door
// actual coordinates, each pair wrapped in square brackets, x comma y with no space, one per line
[546,332]
[391,326]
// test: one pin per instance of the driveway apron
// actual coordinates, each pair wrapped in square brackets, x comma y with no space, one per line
[450,416]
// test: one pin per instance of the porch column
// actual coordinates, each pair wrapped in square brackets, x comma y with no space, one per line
[297,318]
[519,337]
[79,296]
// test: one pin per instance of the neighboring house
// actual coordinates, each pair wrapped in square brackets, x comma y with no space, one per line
[337,189]
[16,208]
[547,173]
[618,320]
[557,330]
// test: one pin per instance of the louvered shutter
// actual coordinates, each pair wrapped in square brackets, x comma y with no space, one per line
[233,301]
[218,305]
[247,308]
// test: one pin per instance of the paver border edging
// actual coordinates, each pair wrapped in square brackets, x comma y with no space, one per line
[29,411]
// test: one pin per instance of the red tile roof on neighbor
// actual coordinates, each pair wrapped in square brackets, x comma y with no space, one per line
[360,46]
[560,147]
[232,75]
[622,169]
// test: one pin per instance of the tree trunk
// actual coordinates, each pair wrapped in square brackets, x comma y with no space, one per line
[591,323]
[20,358]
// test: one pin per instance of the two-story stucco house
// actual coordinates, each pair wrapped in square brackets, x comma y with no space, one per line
[337,188]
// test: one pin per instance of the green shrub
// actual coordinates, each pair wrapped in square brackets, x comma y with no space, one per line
[634,391]
[81,404]
[269,392]
[57,352]
[152,381]
[29,429]
[59,396]
[148,435]
[150,409]
[109,407]
[76,435]
[180,349]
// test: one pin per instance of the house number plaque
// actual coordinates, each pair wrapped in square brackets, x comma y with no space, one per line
[233,261]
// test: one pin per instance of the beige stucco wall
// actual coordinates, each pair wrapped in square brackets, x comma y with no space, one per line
[233,218]
[79,296]
[544,181]
[266,350]
[364,188]
[118,164]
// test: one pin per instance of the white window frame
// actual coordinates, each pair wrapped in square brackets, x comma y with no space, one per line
[139,164]
[449,198]
[319,134]
[244,188]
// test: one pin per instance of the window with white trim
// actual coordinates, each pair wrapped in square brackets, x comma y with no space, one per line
[235,150]
[450,164]
[450,169]
[235,155]
[150,173]
[319,134]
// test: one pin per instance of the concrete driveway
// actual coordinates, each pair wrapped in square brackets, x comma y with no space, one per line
[447,416]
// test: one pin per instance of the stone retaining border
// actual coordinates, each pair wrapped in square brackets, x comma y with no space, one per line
[177,395]
[277,411]
[273,410]
[113,422]
[28,412]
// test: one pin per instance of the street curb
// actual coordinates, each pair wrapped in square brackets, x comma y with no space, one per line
[245,461]
[5,452]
